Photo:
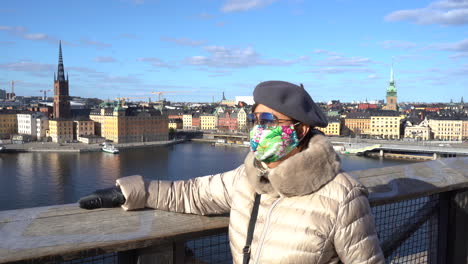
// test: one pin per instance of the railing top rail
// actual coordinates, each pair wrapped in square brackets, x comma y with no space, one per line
[397,183]
[66,231]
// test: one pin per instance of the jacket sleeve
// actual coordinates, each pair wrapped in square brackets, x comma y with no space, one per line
[355,237]
[202,195]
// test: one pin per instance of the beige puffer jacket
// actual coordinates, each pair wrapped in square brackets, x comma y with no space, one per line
[310,212]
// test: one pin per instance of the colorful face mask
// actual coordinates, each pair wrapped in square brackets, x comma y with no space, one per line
[270,144]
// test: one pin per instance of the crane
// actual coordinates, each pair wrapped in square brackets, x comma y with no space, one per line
[164,92]
[45,94]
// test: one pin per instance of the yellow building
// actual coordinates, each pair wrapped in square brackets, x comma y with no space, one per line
[84,127]
[333,128]
[60,130]
[175,123]
[446,128]
[130,124]
[208,122]
[465,129]
[357,123]
[385,125]
[8,123]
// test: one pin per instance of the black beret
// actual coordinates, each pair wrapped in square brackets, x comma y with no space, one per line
[291,100]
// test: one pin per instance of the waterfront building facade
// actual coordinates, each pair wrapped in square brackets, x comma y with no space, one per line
[447,128]
[175,123]
[420,131]
[187,121]
[357,124]
[42,126]
[83,127]
[227,122]
[8,123]
[208,122]
[242,119]
[191,121]
[27,123]
[125,125]
[385,125]
[60,130]
[333,128]
[465,129]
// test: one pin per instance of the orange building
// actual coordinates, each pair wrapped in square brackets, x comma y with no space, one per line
[357,123]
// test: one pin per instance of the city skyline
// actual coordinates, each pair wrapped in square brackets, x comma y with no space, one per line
[339,50]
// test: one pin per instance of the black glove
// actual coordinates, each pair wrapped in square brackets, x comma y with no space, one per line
[110,197]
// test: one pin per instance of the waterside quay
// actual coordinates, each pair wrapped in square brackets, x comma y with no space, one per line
[421,211]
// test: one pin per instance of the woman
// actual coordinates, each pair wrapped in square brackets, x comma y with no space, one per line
[289,202]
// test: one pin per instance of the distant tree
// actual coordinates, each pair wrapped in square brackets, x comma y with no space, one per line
[172,133]
[93,101]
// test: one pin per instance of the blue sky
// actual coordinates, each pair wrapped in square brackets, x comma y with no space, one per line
[339,49]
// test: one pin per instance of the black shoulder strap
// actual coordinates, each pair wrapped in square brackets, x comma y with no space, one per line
[250,230]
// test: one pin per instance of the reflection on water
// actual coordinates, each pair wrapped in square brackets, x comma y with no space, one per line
[38,179]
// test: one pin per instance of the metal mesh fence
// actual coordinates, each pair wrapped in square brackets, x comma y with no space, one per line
[408,230]
[209,249]
[100,259]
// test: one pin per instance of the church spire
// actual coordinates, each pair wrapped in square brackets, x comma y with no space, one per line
[391,90]
[392,80]
[60,70]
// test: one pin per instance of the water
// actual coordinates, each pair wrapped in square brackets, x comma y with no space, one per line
[39,179]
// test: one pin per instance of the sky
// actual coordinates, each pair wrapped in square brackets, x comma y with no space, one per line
[197,49]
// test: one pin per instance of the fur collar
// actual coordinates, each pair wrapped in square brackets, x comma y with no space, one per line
[300,174]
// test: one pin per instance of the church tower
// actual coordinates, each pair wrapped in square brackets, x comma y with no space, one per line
[61,98]
[391,94]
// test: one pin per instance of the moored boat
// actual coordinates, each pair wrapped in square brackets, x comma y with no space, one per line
[109,148]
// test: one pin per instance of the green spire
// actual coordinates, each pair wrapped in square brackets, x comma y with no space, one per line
[391,90]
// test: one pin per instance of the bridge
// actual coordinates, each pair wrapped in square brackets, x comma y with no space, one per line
[420,213]
[438,150]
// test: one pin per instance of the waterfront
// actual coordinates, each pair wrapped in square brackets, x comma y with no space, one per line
[39,179]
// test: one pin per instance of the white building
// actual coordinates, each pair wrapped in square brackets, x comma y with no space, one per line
[246,99]
[187,122]
[42,125]
[27,124]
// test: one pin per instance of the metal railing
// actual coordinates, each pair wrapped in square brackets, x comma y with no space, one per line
[420,212]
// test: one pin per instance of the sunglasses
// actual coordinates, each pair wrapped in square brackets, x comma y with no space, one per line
[265,118]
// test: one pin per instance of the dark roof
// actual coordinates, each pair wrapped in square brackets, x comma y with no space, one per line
[358,115]
[384,113]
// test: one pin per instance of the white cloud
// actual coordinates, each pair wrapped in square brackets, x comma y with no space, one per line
[184,41]
[36,36]
[244,5]
[338,60]
[158,63]
[445,12]
[104,59]
[461,46]
[205,16]
[28,66]
[97,44]
[227,57]
[373,76]
[326,52]
[128,36]
[459,55]
[398,44]
[339,70]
